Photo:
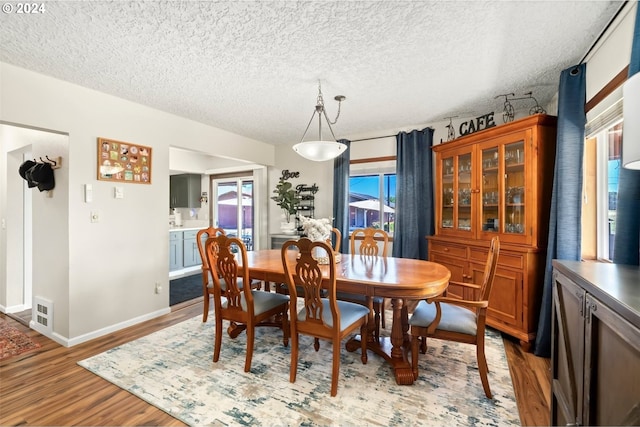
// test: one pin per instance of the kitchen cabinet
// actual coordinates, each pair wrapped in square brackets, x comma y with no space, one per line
[595,361]
[183,250]
[175,250]
[191,254]
[497,182]
[185,190]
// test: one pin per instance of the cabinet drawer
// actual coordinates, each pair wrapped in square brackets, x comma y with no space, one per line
[191,234]
[505,259]
[175,235]
[449,249]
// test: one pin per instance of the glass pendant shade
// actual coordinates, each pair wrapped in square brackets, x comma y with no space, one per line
[631,125]
[319,151]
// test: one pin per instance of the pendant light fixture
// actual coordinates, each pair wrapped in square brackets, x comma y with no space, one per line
[321,150]
[631,124]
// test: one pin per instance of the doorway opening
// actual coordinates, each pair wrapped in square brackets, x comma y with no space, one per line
[233,207]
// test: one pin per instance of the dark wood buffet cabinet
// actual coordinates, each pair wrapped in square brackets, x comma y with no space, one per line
[595,362]
[497,182]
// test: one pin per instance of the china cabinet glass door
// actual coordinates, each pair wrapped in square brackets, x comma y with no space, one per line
[464,192]
[514,188]
[457,184]
[490,190]
[448,190]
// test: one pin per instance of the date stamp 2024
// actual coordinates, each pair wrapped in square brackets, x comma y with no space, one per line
[24,8]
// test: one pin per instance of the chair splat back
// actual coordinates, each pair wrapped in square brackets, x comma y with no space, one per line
[309,277]
[369,245]
[200,240]
[226,266]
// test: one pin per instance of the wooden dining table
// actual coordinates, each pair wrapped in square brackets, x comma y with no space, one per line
[398,279]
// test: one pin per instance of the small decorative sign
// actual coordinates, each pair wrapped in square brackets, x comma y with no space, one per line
[479,123]
[286,175]
[123,162]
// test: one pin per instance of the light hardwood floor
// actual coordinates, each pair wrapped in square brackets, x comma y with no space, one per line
[47,387]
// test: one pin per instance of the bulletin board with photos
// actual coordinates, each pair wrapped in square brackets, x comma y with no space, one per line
[123,162]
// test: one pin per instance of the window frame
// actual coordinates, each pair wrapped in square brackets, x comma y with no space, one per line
[371,167]
[601,191]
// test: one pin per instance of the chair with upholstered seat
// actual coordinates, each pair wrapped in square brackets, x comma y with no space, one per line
[322,318]
[244,307]
[364,241]
[207,283]
[458,320]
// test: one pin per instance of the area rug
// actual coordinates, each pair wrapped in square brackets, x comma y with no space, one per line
[13,342]
[172,369]
[185,289]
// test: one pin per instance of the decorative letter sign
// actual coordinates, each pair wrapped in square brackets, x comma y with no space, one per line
[480,123]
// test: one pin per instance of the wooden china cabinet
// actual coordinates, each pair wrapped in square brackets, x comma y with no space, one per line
[497,182]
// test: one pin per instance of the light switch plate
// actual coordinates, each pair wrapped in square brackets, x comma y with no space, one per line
[118,193]
[88,193]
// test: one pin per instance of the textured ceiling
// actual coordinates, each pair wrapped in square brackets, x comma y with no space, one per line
[252,67]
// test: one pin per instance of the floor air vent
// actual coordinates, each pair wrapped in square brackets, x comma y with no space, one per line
[43,313]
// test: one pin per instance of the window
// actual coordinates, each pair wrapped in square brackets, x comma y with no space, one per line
[372,200]
[603,152]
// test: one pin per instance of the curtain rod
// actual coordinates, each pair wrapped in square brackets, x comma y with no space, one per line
[374,137]
[383,136]
[603,31]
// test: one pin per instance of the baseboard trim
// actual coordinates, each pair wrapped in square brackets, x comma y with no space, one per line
[70,342]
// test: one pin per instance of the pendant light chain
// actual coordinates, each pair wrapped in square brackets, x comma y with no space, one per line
[323,112]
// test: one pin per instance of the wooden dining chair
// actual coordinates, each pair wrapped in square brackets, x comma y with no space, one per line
[244,307]
[207,283]
[337,235]
[455,319]
[207,271]
[322,318]
[365,241]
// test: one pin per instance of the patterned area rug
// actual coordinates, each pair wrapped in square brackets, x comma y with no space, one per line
[172,369]
[13,342]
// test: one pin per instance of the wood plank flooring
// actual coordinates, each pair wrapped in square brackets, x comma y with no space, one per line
[47,387]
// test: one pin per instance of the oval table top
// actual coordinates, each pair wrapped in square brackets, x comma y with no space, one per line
[372,276]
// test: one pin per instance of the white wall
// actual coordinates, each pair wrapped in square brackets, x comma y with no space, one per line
[101,276]
[609,57]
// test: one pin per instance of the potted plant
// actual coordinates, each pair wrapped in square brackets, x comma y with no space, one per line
[286,197]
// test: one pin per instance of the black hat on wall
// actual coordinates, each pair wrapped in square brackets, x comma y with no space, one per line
[38,174]
[22,170]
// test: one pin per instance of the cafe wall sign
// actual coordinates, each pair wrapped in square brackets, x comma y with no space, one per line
[479,123]
[123,162]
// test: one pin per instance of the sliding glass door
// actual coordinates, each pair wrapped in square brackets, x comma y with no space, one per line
[233,207]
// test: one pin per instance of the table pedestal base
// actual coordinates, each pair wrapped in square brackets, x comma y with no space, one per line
[401,365]
[393,349]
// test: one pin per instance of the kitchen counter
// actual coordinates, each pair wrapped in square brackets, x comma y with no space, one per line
[185,228]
